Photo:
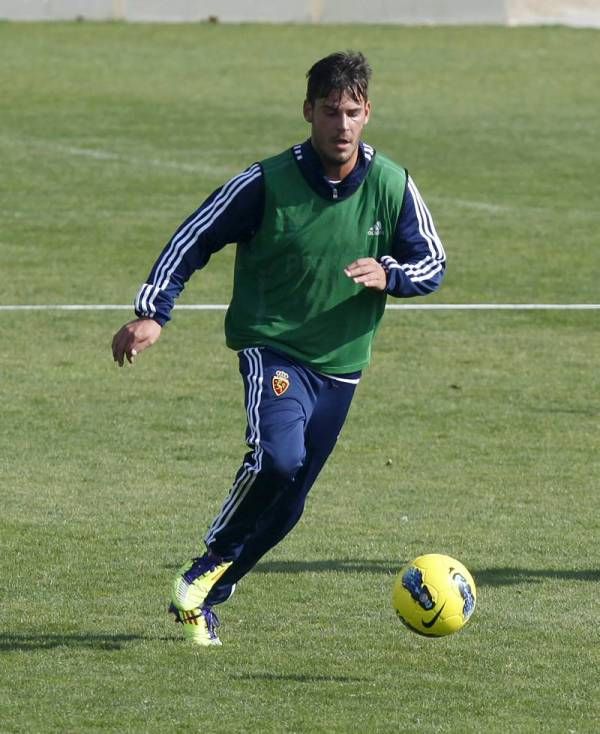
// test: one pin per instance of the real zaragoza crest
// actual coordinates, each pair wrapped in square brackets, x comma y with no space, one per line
[280,382]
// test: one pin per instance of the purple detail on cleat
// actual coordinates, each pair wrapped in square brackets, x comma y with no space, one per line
[201,565]
[212,622]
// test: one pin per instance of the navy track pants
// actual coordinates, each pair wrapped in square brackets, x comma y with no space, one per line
[294,418]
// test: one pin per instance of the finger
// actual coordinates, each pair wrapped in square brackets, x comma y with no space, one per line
[360,267]
[120,347]
[365,272]
[114,347]
[351,269]
[359,270]
[365,279]
[361,262]
[117,354]
[374,278]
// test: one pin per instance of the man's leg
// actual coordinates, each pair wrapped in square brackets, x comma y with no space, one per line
[321,433]
[278,398]
[277,413]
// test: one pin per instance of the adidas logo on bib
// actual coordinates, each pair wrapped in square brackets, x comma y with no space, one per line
[375,230]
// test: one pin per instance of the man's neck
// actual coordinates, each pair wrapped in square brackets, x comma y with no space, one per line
[312,169]
[337,171]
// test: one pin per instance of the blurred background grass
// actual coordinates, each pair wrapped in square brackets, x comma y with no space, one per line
[112,134]
[473,433]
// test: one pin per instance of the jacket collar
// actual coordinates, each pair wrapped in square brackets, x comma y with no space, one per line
[311,168]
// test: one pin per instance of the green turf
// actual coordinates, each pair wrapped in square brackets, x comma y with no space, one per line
[473,433]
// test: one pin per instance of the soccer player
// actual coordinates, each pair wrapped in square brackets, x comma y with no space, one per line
[325,231]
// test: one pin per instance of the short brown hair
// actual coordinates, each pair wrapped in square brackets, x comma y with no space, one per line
[343,71]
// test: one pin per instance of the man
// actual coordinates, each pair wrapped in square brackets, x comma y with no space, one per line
[324,231]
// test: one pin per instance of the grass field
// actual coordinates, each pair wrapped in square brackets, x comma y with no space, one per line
[474,433]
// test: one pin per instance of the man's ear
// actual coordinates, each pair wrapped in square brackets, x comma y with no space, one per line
[307,111]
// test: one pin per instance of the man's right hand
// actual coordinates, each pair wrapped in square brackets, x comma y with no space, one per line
[133,338]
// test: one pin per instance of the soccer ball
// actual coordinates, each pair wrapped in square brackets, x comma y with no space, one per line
[434,595]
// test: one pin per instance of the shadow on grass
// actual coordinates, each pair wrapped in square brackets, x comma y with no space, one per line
[501,576]
[348,565]
[506,576]
[299,678]
[28,641]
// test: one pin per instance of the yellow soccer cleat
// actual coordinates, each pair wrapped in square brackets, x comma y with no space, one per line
[199,625]
[195,580]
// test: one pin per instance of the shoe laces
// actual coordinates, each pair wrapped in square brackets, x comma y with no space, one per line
[211,619]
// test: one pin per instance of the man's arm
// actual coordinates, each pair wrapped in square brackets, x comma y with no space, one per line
[418,260]
[232,213]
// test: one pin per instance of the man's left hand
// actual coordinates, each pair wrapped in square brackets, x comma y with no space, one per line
[368,272]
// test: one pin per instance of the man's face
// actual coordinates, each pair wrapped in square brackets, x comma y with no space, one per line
[336,126]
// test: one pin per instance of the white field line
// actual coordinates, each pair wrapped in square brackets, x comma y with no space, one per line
[511,209]
[389,307]
[205,168]
[107,155]
[99,154]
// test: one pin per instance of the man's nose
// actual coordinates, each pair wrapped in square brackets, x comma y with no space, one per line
[343,121]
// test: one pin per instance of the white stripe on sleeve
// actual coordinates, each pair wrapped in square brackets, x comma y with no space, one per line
[188,235]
